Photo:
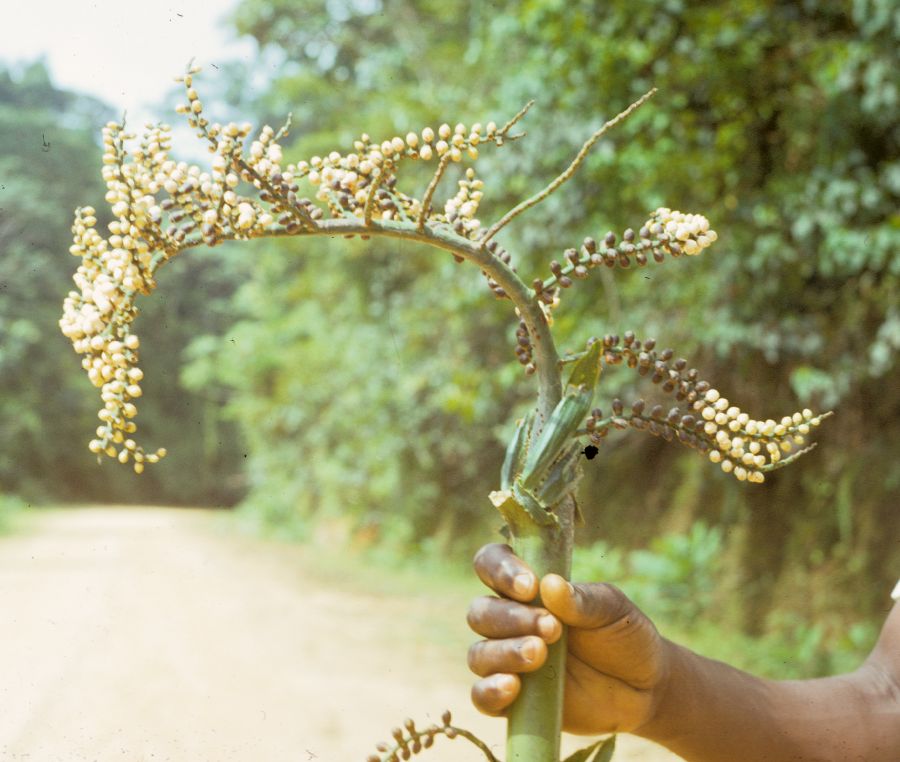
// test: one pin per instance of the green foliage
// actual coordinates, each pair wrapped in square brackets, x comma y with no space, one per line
[352,401]
[673,579]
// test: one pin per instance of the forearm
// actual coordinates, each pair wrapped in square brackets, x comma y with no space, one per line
[711,712]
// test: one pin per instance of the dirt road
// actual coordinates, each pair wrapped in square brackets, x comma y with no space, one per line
[147,635]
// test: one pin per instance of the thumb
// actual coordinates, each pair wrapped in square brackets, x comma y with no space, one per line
[585,606]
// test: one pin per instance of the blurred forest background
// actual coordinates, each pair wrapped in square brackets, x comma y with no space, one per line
[370,390]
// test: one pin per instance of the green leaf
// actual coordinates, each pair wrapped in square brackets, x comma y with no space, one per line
[521,510]
[557,433]
[605,748]
[586,371]
[605,752]
[562,477]
[516,451]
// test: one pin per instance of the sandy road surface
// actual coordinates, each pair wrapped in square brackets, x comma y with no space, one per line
[146,635]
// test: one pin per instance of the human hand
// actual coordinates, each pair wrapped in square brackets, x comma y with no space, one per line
[617,663]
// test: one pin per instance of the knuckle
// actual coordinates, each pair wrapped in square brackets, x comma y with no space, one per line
[472,653]
[475,658]
[478,609]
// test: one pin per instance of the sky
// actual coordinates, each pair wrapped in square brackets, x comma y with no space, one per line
[127,53]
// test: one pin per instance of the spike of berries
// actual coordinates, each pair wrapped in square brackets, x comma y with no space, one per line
[665,232]
[743,446]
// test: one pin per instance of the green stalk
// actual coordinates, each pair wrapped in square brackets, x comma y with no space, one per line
[535,720]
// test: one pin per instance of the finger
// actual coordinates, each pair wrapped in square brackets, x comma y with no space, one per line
[505,573]
[586,606]
[500,618]
[494,694]
[488,657]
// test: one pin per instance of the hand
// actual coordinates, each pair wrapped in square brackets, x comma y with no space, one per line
[617,663]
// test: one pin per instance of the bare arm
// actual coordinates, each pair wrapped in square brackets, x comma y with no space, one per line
[710,712]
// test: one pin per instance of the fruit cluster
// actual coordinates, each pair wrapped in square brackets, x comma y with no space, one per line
[707,421]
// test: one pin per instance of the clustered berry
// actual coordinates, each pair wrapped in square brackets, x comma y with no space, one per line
[666,232]
[206,207]
[409,740]
[706,422]
[524,350]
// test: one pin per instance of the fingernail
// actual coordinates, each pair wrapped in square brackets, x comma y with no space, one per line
[505,683]
[522,583]
[528,650]
[546,625]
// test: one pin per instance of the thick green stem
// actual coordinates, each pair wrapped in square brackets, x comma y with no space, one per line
[535,720]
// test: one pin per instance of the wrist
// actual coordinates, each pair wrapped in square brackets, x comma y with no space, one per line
[670,706]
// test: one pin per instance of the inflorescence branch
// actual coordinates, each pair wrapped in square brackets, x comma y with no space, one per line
[570,170]
[705,421]
[410,740]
